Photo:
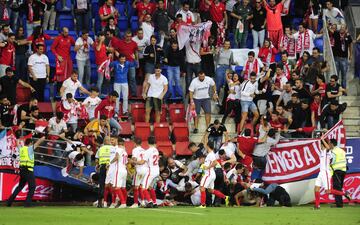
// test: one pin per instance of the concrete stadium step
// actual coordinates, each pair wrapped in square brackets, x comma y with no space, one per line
[354,121]
[352,134]
[352,128]
[229,124]
[350,98]
[351,111]
[197,138]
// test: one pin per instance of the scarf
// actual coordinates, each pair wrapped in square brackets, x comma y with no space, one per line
[299,45]
[342,41]
[30,13]
[108,10]
[5,14]
[86,45]
[69,109]
[104,68]
[248,70]
[268,55]
[287,70]
[289,45]
[220,34]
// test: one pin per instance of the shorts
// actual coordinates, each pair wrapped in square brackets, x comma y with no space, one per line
[204,103]
[208,180]
[3,69]
[323,180]
[246,105]
[153,103]
[138,177]
[313,16]
[110,175]
[150,179]
[149,68]
[119,180]
[261,104]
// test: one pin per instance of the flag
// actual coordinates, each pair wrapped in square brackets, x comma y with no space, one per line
[40,125]
[8,150]
[193,34]
[357,60]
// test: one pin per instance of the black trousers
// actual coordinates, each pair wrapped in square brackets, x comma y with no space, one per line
[230,106]
[39,86]
[338,182]
[26,176]
[102,177]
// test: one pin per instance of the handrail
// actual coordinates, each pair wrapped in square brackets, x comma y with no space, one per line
[328,53]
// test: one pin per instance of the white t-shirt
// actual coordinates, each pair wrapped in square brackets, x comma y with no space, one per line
[56,128]
[139,154]
[148,30]
[186,14]
[229,149]
[70,87]
[325,159]
[141,45]
[312,37]
[83,53]
[247,88]
[38,65]
[201,88]
[232,175]
[123,158]
[152,158]
[211,157]
[192,52]
[90,105]
[72,156]
[156,85]
[283,81]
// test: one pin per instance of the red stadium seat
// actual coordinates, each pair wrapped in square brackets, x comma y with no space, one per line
[161,131]
[126,129]
[177,113]
[163,114]
[181,132]
[23,94]
[45,109]
[138,112]
[129,146]
[165,147]
[181,149]
[142,130]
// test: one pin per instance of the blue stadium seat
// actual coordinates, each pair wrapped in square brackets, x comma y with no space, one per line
[66,21]
[278,57]
[52,33]
[73,55]
[73,34]
[134,23]
[49,42]
[296,22]
[92,35]
[319,42]
[94,8]
[92,56]
[51,57]
[59,7]
[238,69]
[121,8]
[97,24]
[123,23]
[130,10]
[93,78]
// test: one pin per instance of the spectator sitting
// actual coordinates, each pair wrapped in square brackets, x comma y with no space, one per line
[57,126]
[331,114]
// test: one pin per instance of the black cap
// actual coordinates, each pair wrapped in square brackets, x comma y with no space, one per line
[114,93]
[8,69]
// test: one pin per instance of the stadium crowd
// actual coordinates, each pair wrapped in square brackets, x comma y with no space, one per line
[283,89]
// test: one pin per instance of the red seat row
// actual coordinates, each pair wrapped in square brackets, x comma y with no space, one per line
[176,112]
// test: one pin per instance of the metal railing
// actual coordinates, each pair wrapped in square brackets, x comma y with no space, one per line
[328,53]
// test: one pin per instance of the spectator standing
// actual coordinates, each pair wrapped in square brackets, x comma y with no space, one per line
[7,54]
[147,27]
[215,133]
[331,114]
[70,108]
[21,48]
[223,59]
[186,15]
[49,15]
[143,7]
[9,84]
[15,8]
[273,21]
[316,108]
[5,31]
[288,44]
[342,51]
[154,91]
[4,13]
[23,111]
[129,48]
[82,14]
[242,12]
[219,20]
[5,113]
[285,95]
[200,98]
[207,53]
[61,49]
[279,81]
[121,67]
[175,61]
[258,23]
[38,37]
[333,15]
[334,89]
[161,18]
[100,58]
[193,61]
[286,64]
[106,12]
[267,54]
[263,147]
[92,102]
[71,85]
[107,108]
[152,55]
[34,10]
[82,49]
[305,39]
[252,64]
[112,27]
[141,43]
[39,71]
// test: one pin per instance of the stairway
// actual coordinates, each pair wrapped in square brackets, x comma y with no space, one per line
[351,116]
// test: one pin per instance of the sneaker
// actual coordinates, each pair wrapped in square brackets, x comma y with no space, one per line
[95,203]
[149,205]
[227,201]
[105,204]
[347,196]
[112,206]
[134,206]
[316,208]
[196,131]
[143,204]
[122,206]
[201,207]
[155,206]
[99,206]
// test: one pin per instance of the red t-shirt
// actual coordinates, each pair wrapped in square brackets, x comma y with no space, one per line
[40,40]
[276,124]
[107,10]
[316,107]
[143,9]
[7,55]
[217,12]
[127,48]
[247,144]
[247,162]
[322,90]
[273,17]
[100,56]
[62,46]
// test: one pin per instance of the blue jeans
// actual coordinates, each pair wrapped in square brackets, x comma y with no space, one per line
[99,80]
[191,68]
[173,73]
[14,20]
[132,80]
[258,38]
[342,65]
[217,141]
[115,124]
[331,122]
[220,76]
[84,67]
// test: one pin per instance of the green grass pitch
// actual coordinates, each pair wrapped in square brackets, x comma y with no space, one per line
[51,215]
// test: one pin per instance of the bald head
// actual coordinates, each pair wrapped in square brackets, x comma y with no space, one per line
[65,31]
[107,140]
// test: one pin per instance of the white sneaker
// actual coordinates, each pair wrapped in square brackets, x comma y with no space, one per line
[134,206]
[105,205]
[143,204]
[122,206]
[95,204]
[112,206]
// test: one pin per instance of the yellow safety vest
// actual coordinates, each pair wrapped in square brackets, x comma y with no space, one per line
[339,162]
[25,160]
[104,155]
